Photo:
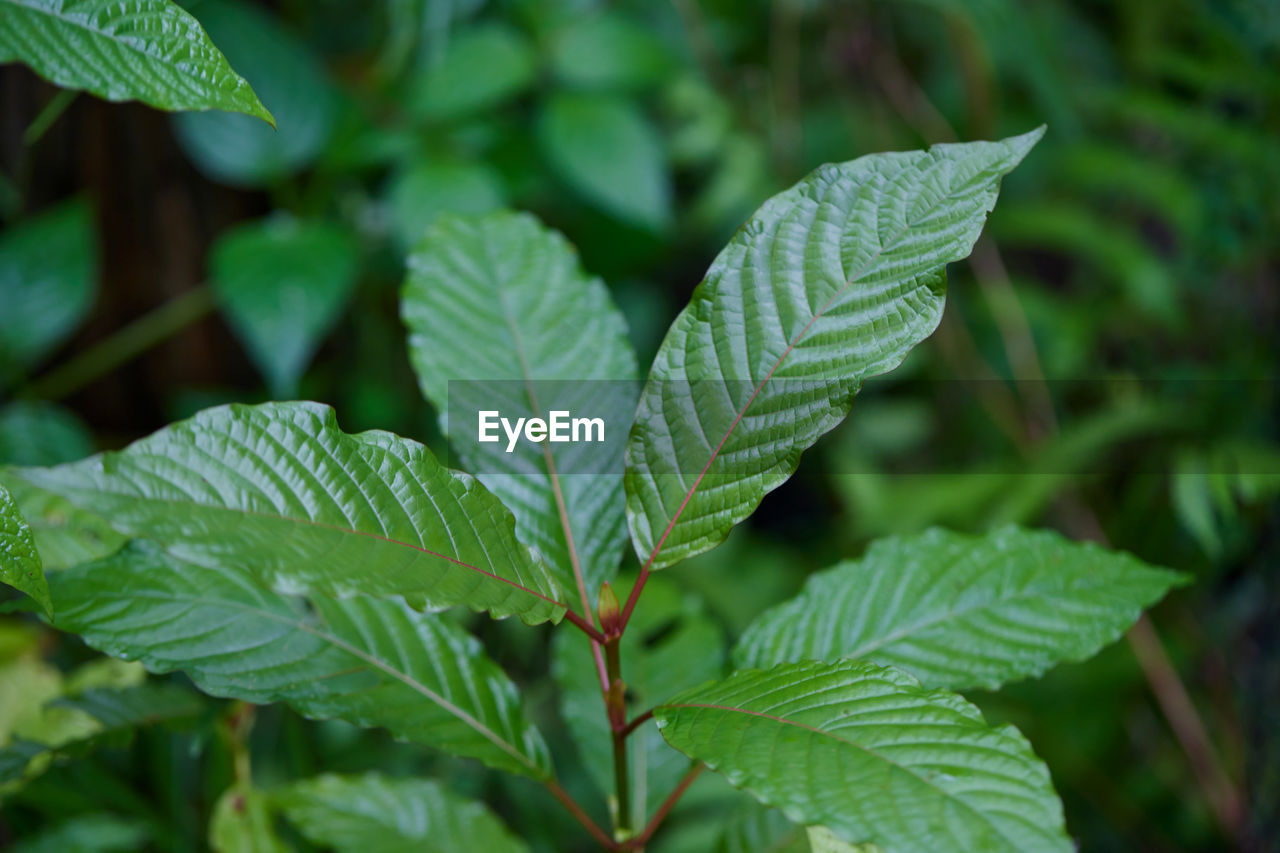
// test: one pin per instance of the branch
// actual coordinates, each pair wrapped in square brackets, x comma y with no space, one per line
[582,817]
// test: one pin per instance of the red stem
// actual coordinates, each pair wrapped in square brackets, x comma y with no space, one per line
[637,723]
[574,809]
[589,629]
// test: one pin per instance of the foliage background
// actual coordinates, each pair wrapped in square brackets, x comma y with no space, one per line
[1106,364]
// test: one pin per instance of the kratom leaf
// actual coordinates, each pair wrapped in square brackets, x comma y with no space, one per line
[281,489]
[607,150]
[65,534]
[481,67]
[355,814]
[962,611]
[20,565]
[867,752]
[146,50]
[670,645]
[48,280]
[287,74]
[282,285]
[502,301]
[829,283]
[369,661]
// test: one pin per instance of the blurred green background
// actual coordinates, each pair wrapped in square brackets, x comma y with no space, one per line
[1106,365]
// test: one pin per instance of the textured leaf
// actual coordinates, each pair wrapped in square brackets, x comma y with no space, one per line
[607,150]
[867,752]
[65,534]
[286,73]
[20,565]
[502,298]
[369,661]
[962,611]
[280,488]
[48,279]
[282,285]
[482,67]
[145,50]
[37,432]
[829,283]
[752,828]
[670,645]
[355,814]
[427,189]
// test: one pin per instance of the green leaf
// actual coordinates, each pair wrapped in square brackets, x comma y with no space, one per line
[482,67]
[281,488]
[607,150]
[20,565]
[823,840]
[369,661]
[502,298]
[873,756]
[671,644]
[282,285]
[48,280]
[37,432]
[147,50]
[90,833]
[282,68]
[752,828]
[829,283]
[419,194]
[65,534]
[241,823]
[962,611]
[609,51]
[354,814]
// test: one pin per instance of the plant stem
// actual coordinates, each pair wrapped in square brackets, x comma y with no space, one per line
[667,805]
[637,723]
[616,708]
[579,815]
[44,120]
[635,592]
[122,346]
[587,628]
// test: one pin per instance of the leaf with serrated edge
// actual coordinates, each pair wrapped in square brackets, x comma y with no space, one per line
[867,752]
[147,50]
[20,565]
[500,297]
[961,611]
[369,661]
[281,489]
[829,283]
[354,814]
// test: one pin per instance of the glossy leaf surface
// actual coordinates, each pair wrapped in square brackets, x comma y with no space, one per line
[371,662]
[20,565]
[502,298]
[829,283]
[279,488]
[873,756]
[145,50]
[962,611]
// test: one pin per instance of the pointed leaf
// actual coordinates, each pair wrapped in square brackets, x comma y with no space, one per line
[281,489]
[354,814]
[289,76]
[147,50]
[873,756]
[502,298]
[369,661]
[608,151]
[962,611]
[20,565]
[48,280]
[829,283]
[282,285]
